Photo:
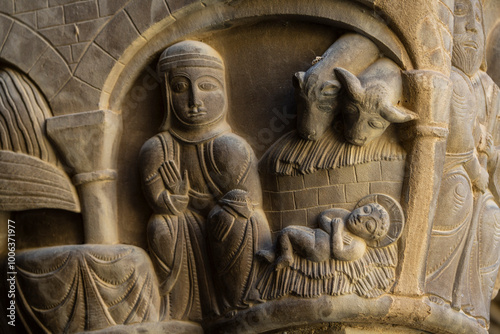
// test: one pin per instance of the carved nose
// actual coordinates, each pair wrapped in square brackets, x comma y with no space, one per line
[311,135]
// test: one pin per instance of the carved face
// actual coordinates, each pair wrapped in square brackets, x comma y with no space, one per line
[361,127]
[198,94]
[316,103]
[468,36]
[370,222]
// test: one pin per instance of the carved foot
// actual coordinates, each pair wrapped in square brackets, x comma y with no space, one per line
[284,261]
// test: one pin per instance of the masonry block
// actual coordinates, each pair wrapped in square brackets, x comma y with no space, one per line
[50,72]
[295,217]
[5,26]
[76,96]
[332,194]
[282,201]
[313,213]
[65,51]
[95,66]
[269,181]
[110,7]
[61,35]
[318,179]
[77,50]
[147,12]
[88,30]
[393,170]
[368,172]
[274,220]
[50,17]
[355,191]
[266,201]
[80,11]
[342,175]
[61,2]
[22,47]
[287,183]
[28,18]
[29,5]
[392,189]
[306,198]
[117,35]
[7,6]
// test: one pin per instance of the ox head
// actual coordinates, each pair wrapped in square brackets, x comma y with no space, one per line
[369,109]
[316,98]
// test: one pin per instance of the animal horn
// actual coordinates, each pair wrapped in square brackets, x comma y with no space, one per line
[397,114]
[299,79]
[350,82]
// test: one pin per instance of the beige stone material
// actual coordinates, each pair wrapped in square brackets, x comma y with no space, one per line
[251,166]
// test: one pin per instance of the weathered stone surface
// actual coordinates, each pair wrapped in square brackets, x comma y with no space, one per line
[87,31]
[27,18]
[80,11]
[61,35]
[50,17]
[110,7]
[7,6]
[86,69]
[175,5]
[5,26]
[29,5]
[146,13]
[117,35]
[50,72]
[75,96]
[21,38]
[374,207]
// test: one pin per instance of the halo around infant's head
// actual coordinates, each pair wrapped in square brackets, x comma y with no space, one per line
[396,218]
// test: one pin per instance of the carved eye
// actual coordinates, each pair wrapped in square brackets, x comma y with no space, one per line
[208,86]
[179,86]
[371,225]
[325,107]
[367,209]
[351,110]
[376,124]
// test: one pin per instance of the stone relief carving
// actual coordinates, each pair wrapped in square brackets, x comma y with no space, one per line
[318,226]
[26,151]
[465,237]
[351,252]
[202,183]
[72,289]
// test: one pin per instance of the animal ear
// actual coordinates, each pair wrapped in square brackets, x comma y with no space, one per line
[330,88]
[397,114]
[350,82]
[299,79]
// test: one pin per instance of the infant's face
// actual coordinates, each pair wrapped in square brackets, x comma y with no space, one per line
[367,223]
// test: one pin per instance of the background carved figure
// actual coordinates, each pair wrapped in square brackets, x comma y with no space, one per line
[465,241]
[186,169]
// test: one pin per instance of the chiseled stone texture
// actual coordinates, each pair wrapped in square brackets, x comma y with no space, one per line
[293,200]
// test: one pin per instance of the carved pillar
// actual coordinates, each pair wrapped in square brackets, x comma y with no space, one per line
[429,94]
[89,143]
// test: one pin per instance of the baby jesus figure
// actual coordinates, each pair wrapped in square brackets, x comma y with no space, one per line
[342,235]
